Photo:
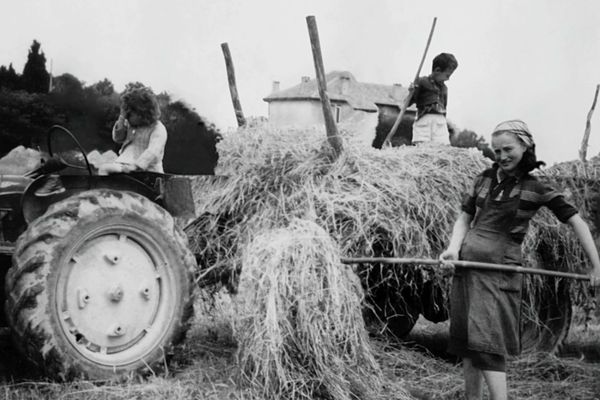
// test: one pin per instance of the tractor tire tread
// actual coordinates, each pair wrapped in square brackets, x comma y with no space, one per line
[26,284]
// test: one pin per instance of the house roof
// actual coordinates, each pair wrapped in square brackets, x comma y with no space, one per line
[342,86]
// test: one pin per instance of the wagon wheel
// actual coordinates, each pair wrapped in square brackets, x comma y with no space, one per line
[400,313]
[392,311]
[435,302]
[390,302]
[545,314]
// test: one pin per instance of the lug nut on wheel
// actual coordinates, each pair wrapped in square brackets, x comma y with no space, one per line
[145,292]
[116,331]
[116,294]
[112,257]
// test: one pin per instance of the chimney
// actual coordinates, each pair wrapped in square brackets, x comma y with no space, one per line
[344,84]
[275,87]
[304,79]
[397,91]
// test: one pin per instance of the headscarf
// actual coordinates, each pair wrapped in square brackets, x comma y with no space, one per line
[517,127]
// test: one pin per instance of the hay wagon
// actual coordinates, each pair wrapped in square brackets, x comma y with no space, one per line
[397,202]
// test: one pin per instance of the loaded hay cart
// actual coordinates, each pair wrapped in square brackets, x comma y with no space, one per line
[396,202]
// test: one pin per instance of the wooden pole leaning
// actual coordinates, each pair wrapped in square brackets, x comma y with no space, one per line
[333,136]
[235,98]
[588,128]
[465,264]
[388,138]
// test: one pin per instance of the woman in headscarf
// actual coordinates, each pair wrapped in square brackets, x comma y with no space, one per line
[494,218]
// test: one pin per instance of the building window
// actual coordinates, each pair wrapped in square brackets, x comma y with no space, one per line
[337,111]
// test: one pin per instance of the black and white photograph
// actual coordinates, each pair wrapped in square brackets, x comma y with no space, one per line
[330,200]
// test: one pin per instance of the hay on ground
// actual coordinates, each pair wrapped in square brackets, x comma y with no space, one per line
[298,318]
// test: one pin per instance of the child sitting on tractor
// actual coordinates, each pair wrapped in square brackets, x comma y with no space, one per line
[141,134]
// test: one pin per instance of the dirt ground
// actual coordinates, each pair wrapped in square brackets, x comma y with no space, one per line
[204,368]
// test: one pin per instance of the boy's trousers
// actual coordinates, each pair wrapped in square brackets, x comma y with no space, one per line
[431,128]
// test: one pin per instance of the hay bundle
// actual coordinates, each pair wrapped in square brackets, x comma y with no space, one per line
[19,161]
[553,245]
[393,202]
[298,318]
[399,201]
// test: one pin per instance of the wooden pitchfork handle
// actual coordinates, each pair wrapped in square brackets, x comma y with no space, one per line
[408,98]
[468,264]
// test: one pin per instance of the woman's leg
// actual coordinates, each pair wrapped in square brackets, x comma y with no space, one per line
[496,383]
[473,380]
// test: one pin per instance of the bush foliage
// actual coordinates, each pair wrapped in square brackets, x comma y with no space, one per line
[30,105]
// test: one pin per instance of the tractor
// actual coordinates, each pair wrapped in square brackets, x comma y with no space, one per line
[99,279]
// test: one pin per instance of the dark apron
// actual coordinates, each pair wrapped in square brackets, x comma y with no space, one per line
[485,305]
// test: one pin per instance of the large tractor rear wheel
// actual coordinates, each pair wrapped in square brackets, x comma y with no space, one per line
[101,287]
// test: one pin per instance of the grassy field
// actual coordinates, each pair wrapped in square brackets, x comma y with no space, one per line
[205,368]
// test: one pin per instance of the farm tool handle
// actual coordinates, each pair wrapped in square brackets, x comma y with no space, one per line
[408,98]
[465,264]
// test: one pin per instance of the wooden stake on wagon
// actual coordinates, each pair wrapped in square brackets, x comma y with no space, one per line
[588,128]
[333,136]
[465,264]
[388,138]
[235,99]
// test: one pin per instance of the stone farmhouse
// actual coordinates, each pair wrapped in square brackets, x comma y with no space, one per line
[366,110]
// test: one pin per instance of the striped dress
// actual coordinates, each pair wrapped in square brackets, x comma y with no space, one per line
[485,305]
[532,195]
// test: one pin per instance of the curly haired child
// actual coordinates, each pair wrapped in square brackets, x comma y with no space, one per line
[141,134]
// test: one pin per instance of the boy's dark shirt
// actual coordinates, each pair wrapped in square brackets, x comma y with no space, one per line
[430,96]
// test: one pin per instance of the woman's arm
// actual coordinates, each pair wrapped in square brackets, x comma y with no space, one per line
[461,227]
[584,235]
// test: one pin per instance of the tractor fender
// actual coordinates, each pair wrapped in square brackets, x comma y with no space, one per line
[34,206]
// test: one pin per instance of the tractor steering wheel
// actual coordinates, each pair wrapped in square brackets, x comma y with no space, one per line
[56,128]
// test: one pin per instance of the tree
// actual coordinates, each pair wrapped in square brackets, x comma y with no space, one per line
[104,87]
[467,139]
[25,118]
[8,78]
[35,78]
[68,85]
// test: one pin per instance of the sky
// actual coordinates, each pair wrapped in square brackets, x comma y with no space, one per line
[536,60]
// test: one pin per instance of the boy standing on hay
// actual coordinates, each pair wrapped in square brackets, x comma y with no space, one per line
[485,305]
[430,94]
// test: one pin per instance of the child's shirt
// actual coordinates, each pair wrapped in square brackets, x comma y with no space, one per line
[142,146]
[431,97]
